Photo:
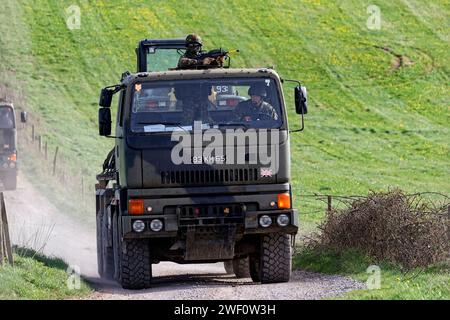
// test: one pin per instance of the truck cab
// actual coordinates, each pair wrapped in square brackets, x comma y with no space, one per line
[8,146]
[200,170]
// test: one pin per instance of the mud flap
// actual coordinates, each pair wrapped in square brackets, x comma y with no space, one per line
[210,243]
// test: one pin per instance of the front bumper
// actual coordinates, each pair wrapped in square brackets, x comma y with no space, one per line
[249,225]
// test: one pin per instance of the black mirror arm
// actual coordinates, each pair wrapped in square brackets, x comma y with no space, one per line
[302,128]
[294,81]
[115,88]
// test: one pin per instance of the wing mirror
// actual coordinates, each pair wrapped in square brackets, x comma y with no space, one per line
[23,117]
[106,98]
[301,100]
[104,121]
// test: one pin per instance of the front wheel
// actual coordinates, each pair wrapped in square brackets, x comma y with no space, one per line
[274,262]
[135,267]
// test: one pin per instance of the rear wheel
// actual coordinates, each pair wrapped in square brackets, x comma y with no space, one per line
[135,266]
[254,264]
[241,267]
[99,243]
[116,225]
[107,248]
[228,267]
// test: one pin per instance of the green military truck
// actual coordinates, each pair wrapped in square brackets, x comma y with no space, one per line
[166,194]
[8,145]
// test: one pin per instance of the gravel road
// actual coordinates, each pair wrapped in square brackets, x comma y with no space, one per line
[38,223]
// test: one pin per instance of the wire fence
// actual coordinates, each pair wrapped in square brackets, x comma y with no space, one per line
[54,164]
[324,203]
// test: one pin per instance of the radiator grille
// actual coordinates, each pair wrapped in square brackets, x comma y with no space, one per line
[209,176]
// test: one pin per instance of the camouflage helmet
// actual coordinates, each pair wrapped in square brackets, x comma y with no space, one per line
[257,90]
[193,40]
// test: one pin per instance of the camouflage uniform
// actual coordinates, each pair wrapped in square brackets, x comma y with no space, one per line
[262,112]
[189,59]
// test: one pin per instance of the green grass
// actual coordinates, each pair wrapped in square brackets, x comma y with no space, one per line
[370,127]
[35,276]
[430,283]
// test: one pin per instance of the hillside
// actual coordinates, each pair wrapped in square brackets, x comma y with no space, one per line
[379,102]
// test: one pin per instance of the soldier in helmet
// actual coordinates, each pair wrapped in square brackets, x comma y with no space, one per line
[194,49]
[256,108]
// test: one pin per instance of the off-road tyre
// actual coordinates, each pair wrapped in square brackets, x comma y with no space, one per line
[275,258]
[135,268]
[228,265]
[241,267]
[107,249]
[116,225]
[99,243]
[255,267]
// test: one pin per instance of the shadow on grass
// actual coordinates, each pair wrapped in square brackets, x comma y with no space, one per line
[51,262]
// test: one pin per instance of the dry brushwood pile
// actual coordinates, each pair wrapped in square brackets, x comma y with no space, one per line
[404,229]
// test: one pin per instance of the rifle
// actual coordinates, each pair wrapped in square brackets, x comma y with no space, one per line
[219,56]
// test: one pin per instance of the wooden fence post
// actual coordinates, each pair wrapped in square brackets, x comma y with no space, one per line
[40,143]
[45,151]
[32,133]
[329,204]
[82,188]
[7,251]
[54,160]
[448,216]
[2,254]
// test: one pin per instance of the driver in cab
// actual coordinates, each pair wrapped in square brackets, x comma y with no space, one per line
[256,108]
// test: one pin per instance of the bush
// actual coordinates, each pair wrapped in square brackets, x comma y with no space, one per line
[392,226]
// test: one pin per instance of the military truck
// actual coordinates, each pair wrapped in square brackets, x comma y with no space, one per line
[157,201]
[8,147]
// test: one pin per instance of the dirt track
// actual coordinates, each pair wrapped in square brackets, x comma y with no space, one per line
[35,221]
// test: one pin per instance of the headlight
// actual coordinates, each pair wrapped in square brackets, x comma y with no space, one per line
[283,220]
[138,226]
[265,221]
[156,225]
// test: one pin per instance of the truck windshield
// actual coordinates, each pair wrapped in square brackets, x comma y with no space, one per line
[217,103]
[6,118]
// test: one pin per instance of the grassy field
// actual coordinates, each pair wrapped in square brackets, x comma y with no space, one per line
[418,284]
[37,277]
[379,103]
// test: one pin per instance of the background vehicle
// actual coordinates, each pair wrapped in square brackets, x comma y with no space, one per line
[205,210]
[8,147]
